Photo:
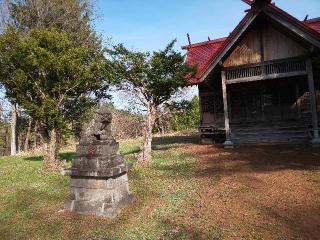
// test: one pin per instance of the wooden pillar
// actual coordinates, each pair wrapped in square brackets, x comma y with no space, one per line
[228,143]
[313,103]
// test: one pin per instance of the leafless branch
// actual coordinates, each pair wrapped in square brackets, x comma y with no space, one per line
[4,15]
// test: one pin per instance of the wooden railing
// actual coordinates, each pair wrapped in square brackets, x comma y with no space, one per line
[243,72]
[266,70]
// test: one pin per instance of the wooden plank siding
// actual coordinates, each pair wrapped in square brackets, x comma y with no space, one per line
[263,44]
[278,46]
[247,51]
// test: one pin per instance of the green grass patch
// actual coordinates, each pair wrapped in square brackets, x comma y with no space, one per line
[31,202]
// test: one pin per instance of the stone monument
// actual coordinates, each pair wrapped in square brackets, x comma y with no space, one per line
[99,182]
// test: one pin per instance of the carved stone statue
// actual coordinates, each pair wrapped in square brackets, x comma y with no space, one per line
[99,182]
[99,128]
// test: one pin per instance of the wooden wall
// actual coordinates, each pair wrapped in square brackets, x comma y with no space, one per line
[277,45]
[211,106]
[247,51]
[263,44]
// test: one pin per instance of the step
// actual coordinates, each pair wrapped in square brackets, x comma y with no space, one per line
[271,140]
[271,136]
[254,130]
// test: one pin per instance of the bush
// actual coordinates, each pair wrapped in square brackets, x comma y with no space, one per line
[179,116]
[187,117]
[126,125]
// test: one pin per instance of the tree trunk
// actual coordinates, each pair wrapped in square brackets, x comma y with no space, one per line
[161,125]
[51,157]
[145,153]
[26,142]
[14,132]
[35,137]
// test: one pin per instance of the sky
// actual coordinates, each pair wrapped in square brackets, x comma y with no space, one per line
[150,25]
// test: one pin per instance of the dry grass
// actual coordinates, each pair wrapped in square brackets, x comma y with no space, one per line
[256,192]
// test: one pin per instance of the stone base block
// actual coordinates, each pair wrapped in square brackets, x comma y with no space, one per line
[228,144]
[102,197]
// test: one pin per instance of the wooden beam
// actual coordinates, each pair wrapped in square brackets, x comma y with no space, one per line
[228,143]
[313,102]
[247,2]
[266,77]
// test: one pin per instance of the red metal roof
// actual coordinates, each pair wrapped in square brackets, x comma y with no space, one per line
[199,54]
[314,24]
[202,54]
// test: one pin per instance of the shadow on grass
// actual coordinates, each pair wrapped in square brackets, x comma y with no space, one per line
[33,158]
[67,156]
[163,143]
[130,152]
[256,158]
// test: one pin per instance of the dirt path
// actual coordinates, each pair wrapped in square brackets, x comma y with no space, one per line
[255,192]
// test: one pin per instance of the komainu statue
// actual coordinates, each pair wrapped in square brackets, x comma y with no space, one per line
[99,182]
[99,128]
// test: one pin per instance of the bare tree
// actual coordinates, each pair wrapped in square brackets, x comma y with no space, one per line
[26,142]
[14,132]
[72,16]
[4,15]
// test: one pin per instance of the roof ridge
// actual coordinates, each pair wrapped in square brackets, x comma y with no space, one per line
[312,20]
[301,23]
[227,40]
[217,40]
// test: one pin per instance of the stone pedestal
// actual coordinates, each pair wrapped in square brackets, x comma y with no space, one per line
[99,182]
[228,144]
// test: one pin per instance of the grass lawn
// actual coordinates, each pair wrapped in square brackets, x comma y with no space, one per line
[189,192]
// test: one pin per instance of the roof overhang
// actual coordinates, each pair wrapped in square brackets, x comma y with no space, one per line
[295,27]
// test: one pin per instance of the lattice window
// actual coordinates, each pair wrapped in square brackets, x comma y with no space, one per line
[285,67]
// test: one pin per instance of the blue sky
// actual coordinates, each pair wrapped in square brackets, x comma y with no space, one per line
[150,25]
